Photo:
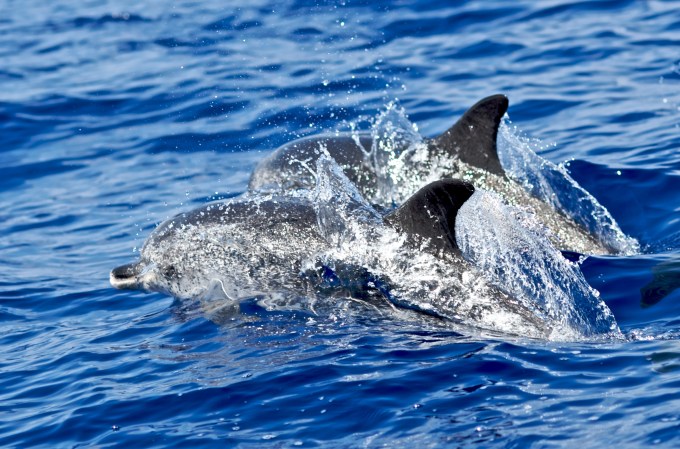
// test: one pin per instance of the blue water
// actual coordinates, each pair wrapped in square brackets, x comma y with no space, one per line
[116,115]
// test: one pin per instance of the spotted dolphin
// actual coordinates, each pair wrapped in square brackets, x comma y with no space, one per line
[248,247]
[467,150]
[263,242]
[472,140]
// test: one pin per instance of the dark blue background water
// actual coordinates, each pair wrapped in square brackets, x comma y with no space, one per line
[115,115]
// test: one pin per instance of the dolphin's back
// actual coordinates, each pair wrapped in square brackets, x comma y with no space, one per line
[292,165]
[290,221]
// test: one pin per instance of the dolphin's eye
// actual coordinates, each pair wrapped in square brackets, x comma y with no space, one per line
[169,271]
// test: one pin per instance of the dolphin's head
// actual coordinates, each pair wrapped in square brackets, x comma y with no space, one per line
[147,275]
[165,263]
[430,214]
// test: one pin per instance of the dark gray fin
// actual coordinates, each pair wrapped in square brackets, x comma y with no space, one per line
[431,213]
[473,137]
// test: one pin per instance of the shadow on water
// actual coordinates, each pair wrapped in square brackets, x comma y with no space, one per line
[641,291]
[665,281]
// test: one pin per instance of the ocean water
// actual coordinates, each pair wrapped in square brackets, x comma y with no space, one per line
[117,115]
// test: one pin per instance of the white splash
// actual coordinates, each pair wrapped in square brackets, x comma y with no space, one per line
[554,185]
[513,280]
[395,139]
[509,248]
[342,212]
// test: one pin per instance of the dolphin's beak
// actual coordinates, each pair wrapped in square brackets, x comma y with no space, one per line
[126,277]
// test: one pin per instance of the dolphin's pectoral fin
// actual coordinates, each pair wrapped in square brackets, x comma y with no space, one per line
[473,137]
[216,303]
[430,213]
[215,292]
[666,281]
[223,313]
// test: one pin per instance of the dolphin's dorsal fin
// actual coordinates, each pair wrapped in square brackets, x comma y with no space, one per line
[430,213]
[473,137]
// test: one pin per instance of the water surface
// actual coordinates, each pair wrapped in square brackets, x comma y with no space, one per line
[116,115]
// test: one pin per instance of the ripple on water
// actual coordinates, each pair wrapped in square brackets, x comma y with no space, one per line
[115,116]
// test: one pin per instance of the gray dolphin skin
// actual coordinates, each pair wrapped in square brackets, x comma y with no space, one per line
[247,247]
[472,139]
[263,242]
[666,279]
[467,150]
[255,243]
[430,215]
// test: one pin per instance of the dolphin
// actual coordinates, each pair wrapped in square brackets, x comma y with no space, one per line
[300,245]
[234,250]
[387,177]
[472,140]
[264,243]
